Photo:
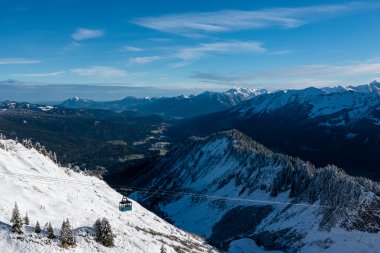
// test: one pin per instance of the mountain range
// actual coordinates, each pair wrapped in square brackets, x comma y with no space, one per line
[220,184]
[333,125]
[236,192]
[178,107]
[326,126]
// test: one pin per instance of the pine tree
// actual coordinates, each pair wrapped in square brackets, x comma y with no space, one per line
[16,220]
[108,236]
[27,143]
[67,237]
[97,229]
[37,229]
[50,232]
[26,219]
[103,232]
[15,212]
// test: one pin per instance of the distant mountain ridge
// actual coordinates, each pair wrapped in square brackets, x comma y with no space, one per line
[203,103]
[243,191]
[318,103]
[326,126]
[180,106]
[372,87]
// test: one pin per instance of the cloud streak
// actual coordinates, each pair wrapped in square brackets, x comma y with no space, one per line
[235,20]
[101,71]
[356,69]
[85,34]
[57,73]
[143,60]
[10,61]
[131,49]
[219,78]
[280,52]
[189,54]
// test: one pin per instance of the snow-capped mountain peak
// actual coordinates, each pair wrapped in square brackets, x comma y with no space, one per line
[372,87]
[245,92]
[316,102]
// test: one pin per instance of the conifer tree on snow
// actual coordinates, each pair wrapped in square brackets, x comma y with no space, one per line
[103,232]
[50,232]
[97,229]
[108,236]
[15,212]
[16,220]
[67,238]
[37,229]
[26,219]
[27,143]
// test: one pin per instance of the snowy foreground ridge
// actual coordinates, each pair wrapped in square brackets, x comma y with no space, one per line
[82,199]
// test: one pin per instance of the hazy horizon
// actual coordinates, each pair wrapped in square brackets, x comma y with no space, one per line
[55,93]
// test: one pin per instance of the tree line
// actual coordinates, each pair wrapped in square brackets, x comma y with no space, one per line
[102,230]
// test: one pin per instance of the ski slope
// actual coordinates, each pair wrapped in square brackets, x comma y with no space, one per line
[50,193]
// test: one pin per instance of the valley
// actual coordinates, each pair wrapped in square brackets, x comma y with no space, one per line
[90,139]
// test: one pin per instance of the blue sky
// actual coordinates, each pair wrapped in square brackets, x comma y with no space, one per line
[191,44]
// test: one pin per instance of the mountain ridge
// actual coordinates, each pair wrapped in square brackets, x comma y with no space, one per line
[179,106]
[252,181]
[341,128]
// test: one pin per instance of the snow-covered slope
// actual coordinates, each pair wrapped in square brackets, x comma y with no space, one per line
[317,103]
[243,194]
[50,193]
[326,127]
[343,104]
[77,102]
[372,87]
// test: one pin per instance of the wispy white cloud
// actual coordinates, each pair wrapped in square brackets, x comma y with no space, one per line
[101,71]
[218,78]
[234,20]
[57,73]
[280,52]
[307,82]
[84,34]
[353,69]
[143,60]
[131,49]
[73,45]
[189,54]
[9,61]
[160,40]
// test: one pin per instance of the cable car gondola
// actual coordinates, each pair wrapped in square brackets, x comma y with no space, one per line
[125,204]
